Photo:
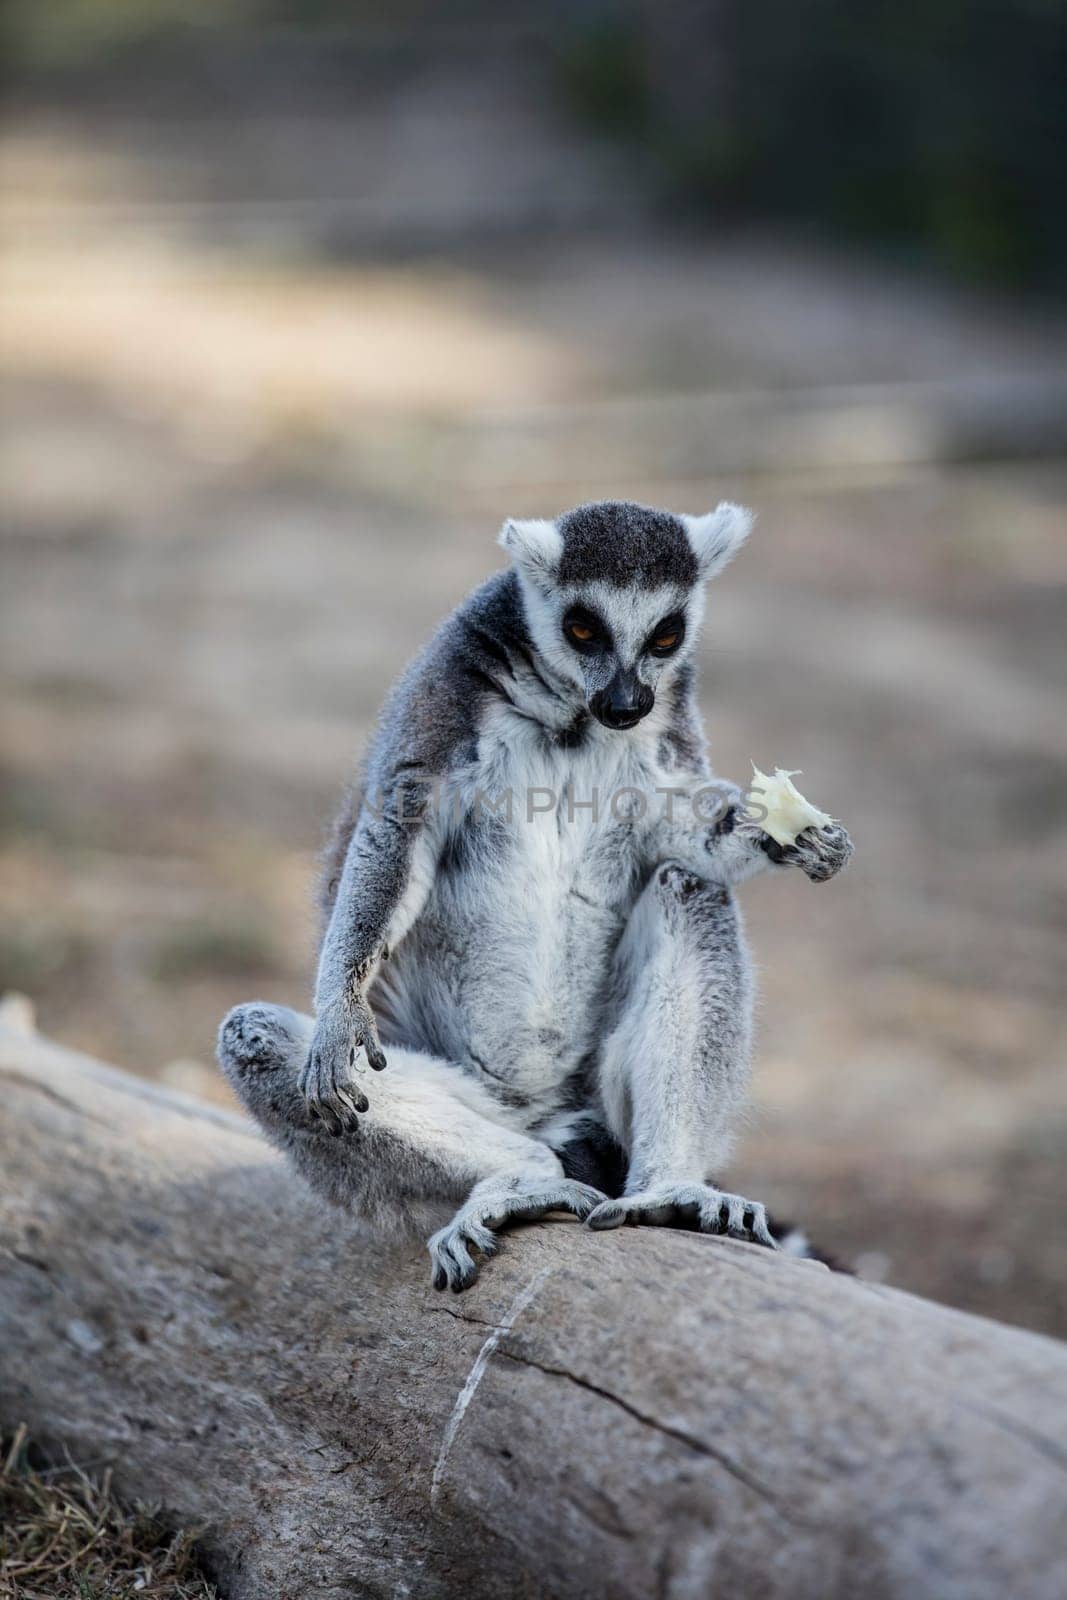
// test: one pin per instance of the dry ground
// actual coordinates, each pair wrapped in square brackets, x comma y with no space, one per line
[240,490]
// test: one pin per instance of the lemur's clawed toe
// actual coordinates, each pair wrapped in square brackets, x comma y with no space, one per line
[699,1207]
[495,1204]
[451,1264]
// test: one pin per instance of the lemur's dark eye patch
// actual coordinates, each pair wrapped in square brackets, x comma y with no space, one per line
[585,631]
[665,639]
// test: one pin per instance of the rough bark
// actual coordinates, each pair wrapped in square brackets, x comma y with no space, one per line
[630,1414]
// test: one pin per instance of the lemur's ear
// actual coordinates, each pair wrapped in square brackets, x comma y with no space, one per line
[717,537]
[535,547]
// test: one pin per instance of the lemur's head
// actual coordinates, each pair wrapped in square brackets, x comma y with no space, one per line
[614,594]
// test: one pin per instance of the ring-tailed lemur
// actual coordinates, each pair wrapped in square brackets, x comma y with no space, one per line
[530,907]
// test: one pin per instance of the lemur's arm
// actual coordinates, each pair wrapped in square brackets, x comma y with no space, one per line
[704,825]
[379,895]
[387,866]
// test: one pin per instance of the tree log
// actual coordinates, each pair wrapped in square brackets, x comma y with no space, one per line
[603,1415]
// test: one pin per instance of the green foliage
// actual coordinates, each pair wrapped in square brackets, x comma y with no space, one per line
[940,128]
[62,34]
[602,67]
[75,33]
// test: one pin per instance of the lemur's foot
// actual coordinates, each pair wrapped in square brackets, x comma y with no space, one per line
[248,1040]
[327,1079]
[259,1046]
[820,853]
[495,1203]
[688,1205]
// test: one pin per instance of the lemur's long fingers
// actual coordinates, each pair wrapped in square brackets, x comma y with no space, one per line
[759,1227]
[327,1116]
[611,1214]
[354,1100]
[360,1096]
[453,1266]
[366,1038]
[375,1053]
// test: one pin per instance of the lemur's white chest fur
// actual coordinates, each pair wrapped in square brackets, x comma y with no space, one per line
[527,876]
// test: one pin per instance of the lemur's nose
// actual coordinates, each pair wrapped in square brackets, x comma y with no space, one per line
[624,702]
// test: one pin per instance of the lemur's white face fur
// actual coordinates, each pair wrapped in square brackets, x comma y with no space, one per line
[614,596]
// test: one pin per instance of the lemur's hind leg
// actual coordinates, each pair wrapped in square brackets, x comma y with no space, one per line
[431,1139]
[674,1069]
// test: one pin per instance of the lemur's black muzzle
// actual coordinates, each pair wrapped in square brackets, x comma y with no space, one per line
[624,702]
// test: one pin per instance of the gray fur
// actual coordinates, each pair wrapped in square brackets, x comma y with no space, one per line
[627,545]
[548,981]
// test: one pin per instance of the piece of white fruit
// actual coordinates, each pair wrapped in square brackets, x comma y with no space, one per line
[788,813]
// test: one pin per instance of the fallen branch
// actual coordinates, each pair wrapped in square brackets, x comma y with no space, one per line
[627,1414]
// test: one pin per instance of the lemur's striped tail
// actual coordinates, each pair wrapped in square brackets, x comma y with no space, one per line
[793,1241]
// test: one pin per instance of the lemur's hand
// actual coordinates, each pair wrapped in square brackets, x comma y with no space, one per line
[820,853]
[326,1081]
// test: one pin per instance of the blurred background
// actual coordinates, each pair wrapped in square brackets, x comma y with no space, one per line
[300,300]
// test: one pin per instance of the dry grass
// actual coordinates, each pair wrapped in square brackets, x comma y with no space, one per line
[64,1537]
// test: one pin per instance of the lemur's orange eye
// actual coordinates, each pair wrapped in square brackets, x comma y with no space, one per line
[579,631]
[667,638]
